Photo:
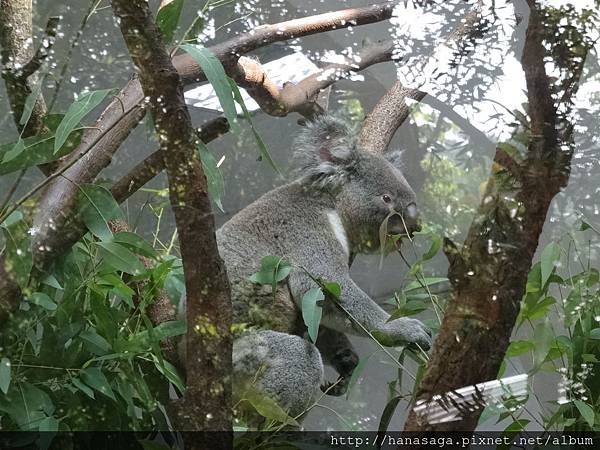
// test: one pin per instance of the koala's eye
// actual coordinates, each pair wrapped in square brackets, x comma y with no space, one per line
[386,198]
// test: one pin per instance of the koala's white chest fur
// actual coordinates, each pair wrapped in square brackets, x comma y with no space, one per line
[338,230]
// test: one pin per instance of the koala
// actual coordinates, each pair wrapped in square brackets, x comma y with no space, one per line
[318,222]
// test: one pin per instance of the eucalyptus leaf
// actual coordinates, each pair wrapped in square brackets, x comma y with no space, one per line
[170,372]
[5,374]
[267,407]
[38,149]
[312,311]
[216,76]
[15,151]
[98,345]
[80,108]
[167,18]
[135,243]
[549,259]
[18,258]
[83,387]
[262,147]
[30,102]
[43,300]
[97,207]
[95,378]
[214,177]
[357,373]
[120,258]
[587,412]
[49,424]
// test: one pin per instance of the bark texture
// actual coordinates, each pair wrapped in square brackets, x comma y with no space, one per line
[16,40]
[206,405]
[98,145]
[489,271]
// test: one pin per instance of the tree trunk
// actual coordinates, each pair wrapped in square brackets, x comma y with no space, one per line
[206,405]
[489,272]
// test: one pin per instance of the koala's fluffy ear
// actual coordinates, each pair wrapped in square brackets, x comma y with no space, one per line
[397,159]
[325,150]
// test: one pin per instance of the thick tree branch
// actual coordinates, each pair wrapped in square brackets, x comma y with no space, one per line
[19,67]
[489,272]
[301,97]
[57,203]
[274,101]
[207,401]
[20,63]
[392,110]
[153,164]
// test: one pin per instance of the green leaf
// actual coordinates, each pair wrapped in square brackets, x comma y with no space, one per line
[195,29]
[51,281]
[357,373]
[15,151]
[93,377]
[517,348]
[98,345]
[97,207]
[594,334]
[267,407]
[543,338]
[516,426]
[77,111]
[83,387]
[117,286]
[135,243]
[312,311]
[539,310]
[169,329]
[170,372]
[30,102]
[388,413]
[120,258]
[216,76]
[427,281]
[586,412]
[534,278]
[49,424]
[27,405]
[175,287]
[262,147]
[410,308]
[273,269]
[549,259]
[18,258]
[37,149]
[5,375]
[436,244]
[332,289]
[43,300]
[214,177]
[167,19]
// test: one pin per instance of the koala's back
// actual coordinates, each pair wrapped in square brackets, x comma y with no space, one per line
[286,222]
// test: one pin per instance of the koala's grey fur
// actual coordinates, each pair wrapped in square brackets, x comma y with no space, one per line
[319,222]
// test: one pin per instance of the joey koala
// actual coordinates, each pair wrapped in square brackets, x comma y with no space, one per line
[319,221]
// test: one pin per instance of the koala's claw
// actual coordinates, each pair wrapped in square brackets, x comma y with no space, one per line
[335,389]
[402,331]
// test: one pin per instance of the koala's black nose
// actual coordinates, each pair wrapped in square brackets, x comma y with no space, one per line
[411,218]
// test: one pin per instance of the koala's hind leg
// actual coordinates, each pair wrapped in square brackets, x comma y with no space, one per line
[338,352]
[282,366]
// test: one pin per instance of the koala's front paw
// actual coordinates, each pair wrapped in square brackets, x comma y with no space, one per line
[404,331]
